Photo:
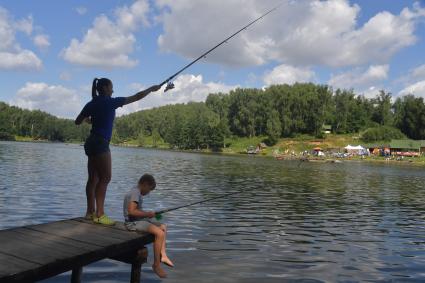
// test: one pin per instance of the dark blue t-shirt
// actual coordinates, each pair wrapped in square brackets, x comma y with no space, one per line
[101,109]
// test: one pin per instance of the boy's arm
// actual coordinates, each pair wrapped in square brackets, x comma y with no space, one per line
[134,211]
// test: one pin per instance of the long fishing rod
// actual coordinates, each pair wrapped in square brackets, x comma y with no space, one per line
[170,85]
[160,212]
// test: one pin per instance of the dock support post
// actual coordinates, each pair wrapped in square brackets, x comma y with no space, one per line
[76,275]
[136,269]
[136,264]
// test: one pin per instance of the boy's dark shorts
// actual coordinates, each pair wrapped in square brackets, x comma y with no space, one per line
[96,144]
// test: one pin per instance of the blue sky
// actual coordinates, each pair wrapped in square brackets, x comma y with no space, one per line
[50,51]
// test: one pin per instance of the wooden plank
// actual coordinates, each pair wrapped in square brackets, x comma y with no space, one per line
[118,225]
[50,253]
[105,230]
[10,265]
[49,238]
[82,234]
[48,241]
[94,234]
[98,229]
[15,244]
[40,251]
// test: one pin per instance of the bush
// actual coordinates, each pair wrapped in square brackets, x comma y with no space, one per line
[270,141]
[5,136]
[382,133]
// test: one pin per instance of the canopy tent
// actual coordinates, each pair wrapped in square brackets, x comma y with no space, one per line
[350,147]
[359,150]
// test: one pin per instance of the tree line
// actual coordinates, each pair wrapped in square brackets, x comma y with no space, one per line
[274,112]
[36,124]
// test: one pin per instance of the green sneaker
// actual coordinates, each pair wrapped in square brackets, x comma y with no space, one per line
[104,220]
[89,216]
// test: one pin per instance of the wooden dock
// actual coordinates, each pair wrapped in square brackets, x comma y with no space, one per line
[37,252]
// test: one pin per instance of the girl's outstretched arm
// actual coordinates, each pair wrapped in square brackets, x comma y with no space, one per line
[141,94]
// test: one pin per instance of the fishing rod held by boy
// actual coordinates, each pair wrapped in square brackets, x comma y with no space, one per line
[158,213]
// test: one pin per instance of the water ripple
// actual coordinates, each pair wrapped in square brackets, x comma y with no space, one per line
[311,223]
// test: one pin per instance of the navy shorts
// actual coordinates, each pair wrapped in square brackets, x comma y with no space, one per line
[96,144]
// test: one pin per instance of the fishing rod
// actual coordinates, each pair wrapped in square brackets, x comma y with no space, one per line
[158,214]
[170,85]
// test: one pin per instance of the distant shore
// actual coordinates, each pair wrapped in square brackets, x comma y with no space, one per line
[239,149]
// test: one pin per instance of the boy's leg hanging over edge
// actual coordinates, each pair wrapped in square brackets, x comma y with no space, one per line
[157,246]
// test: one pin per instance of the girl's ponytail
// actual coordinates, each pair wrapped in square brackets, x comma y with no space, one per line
[94,88]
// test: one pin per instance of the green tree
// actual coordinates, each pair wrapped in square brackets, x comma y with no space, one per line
[409,116]
[382,109]
[274,128]
[141,138]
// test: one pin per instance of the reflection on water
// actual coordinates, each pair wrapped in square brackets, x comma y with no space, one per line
[314,222]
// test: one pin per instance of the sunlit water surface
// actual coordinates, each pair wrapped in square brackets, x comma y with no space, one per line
[304,222]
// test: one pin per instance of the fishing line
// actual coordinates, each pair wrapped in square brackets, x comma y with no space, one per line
[170,85]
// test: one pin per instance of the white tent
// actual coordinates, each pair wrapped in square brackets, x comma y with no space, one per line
[350,147]
[359,150]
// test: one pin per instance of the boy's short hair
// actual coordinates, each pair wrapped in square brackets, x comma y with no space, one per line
[149,179]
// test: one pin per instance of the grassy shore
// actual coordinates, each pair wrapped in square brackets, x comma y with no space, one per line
[291,148]
[286,148]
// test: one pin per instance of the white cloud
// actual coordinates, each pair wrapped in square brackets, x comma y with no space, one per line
[367,81]
[129,18]
[41,41]
[286,74]
[417,89]
[22,60]
[414,82]
[371,92]
[12,56]
[65,76]
[187,88]
[109,43]
[302,32]
[54,99]
[418,72]
[81,10]
[25,25]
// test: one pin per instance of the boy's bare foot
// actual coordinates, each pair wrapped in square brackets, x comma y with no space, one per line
[159,271]
[165,260]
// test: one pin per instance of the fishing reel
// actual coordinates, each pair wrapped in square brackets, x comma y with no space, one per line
[169,86]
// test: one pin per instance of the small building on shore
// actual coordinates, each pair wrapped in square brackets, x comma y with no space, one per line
[378,149]
[406,147]
[326,129]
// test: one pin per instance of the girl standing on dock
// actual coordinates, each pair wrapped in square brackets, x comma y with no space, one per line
[100,112]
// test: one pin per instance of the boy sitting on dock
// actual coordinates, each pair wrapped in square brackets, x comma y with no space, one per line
[137,219]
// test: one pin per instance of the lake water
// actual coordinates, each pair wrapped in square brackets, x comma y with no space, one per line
[304,222]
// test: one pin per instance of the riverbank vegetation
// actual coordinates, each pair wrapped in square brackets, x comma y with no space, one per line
[276,115]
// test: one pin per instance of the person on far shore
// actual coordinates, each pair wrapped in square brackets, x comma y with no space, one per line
[140,220]
[100,112]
